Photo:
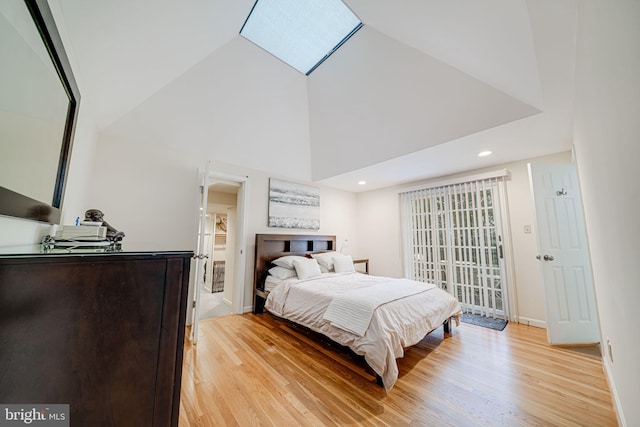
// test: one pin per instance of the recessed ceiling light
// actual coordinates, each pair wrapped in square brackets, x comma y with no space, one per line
[484,153]
[362,182]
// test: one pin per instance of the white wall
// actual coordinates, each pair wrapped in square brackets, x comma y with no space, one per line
[379,231]
[151,194]
[607,141]
[16,231]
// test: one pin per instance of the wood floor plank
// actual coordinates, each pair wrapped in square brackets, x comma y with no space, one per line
[261,371]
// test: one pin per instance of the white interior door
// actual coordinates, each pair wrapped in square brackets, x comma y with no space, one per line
[564,255]
[201,254]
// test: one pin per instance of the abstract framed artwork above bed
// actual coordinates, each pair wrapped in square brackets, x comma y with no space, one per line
[293,205]
[375,317]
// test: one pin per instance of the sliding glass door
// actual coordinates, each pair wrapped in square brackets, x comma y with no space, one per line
[453,238]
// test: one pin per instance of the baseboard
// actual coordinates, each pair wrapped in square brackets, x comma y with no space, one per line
[532,322]
[247,309]
[617,406]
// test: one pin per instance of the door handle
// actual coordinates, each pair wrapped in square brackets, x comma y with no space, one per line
[548,258]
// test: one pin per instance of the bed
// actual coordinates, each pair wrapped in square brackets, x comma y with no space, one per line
[376,317]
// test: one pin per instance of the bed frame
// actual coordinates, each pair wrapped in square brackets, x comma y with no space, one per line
[272,246]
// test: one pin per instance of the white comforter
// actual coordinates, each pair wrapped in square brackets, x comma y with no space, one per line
[394,325]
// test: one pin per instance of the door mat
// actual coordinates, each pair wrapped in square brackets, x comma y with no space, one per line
[486,322]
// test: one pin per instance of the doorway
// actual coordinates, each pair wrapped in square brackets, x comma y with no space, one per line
[231,242]
[454,237]
[216,295]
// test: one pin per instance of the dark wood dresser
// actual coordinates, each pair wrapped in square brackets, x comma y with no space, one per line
[102,331]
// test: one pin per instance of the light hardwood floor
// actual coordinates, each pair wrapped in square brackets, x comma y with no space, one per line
[258,370]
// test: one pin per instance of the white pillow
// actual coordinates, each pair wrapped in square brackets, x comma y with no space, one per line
[282,273]
[325,259]
[306,268]
[286,261]
[343,264]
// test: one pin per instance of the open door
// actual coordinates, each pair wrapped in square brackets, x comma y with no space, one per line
[201,254]
[563,255]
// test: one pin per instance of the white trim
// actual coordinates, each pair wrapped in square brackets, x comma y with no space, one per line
[460,180]
[508,258]
[532,322]
[617,405]
[241,247]
[225,178]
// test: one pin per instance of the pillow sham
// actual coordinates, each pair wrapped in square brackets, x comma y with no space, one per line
[306,268]
[343,264]
[325,259]
[282,272]
[286,261]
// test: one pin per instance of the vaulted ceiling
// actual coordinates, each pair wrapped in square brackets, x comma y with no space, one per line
[416,93]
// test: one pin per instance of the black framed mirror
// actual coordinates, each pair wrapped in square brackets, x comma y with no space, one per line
[39,101]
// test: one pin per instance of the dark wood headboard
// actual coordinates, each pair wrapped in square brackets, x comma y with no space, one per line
[272,246]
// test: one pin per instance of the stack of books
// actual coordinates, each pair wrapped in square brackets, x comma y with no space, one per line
[82,233]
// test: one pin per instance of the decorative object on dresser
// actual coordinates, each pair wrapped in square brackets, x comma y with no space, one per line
[100,331]
[293,205]
[96,215]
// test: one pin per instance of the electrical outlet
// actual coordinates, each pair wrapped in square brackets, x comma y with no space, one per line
[527,229]
[609,350]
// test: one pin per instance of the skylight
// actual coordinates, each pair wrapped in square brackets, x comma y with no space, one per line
[302,33]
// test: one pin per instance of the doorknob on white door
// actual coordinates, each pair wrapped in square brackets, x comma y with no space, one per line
[548,258]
